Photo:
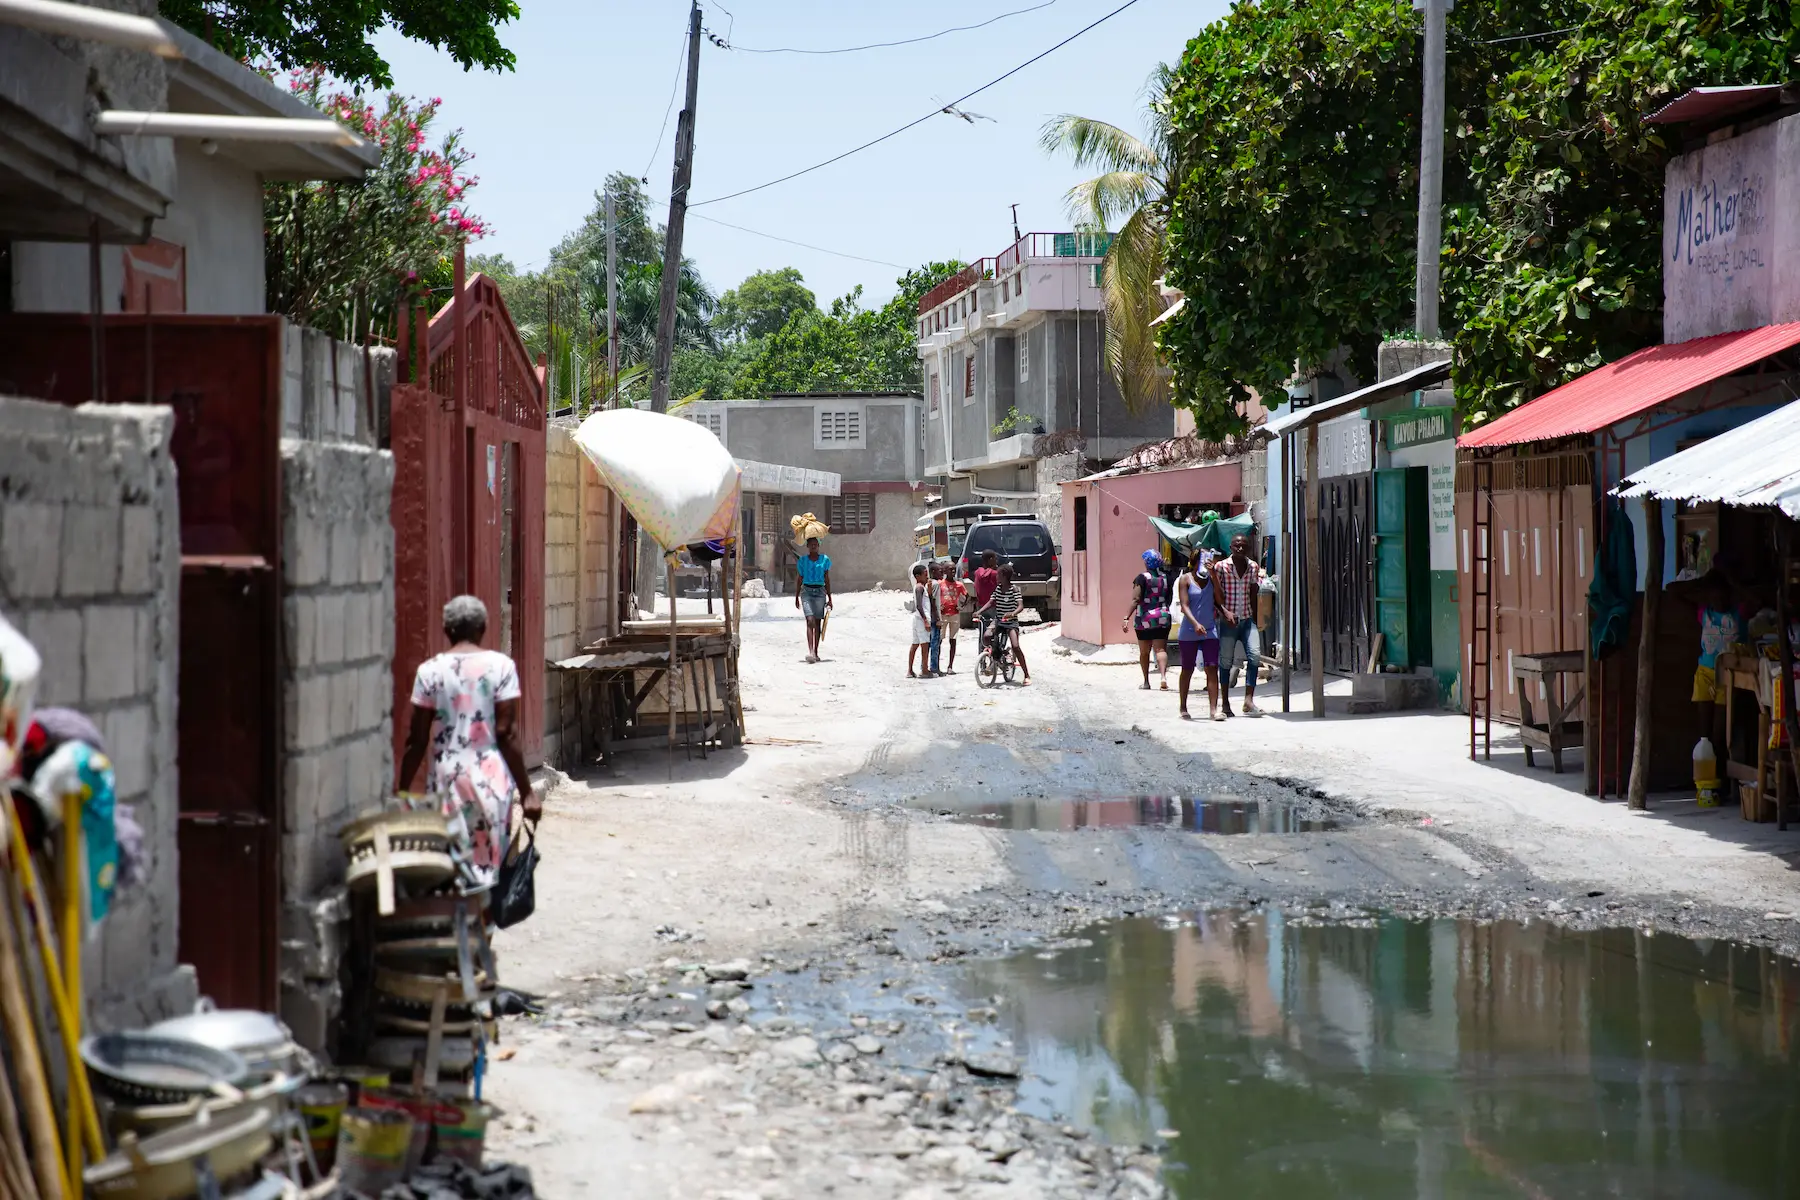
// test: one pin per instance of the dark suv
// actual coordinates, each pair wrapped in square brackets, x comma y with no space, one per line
[1024,541]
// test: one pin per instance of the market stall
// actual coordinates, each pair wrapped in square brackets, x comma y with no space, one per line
[673,683]
[1752,471]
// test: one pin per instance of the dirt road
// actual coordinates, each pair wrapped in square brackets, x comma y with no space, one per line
[788,888]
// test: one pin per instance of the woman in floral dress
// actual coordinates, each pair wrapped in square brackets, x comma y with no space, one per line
[466,709]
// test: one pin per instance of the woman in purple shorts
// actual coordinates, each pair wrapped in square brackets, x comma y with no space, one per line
[1199,637]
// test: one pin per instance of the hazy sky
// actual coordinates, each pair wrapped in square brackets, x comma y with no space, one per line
[594,80]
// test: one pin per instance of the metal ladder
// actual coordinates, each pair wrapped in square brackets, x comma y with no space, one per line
[1481,599]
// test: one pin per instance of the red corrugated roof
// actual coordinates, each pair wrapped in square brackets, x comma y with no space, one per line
[1715,103]
[1634,384]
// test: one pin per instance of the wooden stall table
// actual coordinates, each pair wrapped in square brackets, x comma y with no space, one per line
[707,671]
[1770,772]
[1556,733]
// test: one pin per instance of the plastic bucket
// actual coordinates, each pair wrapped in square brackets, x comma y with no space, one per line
[372,1149]
[462,1130]
[321,1108]
[426,1113]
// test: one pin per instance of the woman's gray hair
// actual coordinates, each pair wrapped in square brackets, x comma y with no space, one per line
[465,619]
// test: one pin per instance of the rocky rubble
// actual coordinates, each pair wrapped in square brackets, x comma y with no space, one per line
[783,1106]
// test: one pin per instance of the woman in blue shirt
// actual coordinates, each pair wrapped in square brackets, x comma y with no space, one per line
[812,594]
[1199,637]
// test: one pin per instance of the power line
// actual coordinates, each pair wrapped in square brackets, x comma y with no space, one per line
[674,90]
[921,120]
[883,45]
[804,245]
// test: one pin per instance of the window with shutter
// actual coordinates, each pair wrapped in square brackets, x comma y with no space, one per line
[969,378]
[839,428]
[713,420]
[853,512]
[1024,341]
[934,393]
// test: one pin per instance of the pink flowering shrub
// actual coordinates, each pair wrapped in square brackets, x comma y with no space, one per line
[341,254]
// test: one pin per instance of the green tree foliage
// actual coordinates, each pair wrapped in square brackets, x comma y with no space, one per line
[337,34]
[339,255]
[1292,232]
[764,303]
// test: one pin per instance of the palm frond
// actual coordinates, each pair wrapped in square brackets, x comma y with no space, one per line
[1102,199]
[1091,143]
[1134,263]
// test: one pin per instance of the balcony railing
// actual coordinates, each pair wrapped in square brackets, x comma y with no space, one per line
[1091,246]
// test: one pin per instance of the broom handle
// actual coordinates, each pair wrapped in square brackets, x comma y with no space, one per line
[72,1005]
[66,1017]
[40,1113]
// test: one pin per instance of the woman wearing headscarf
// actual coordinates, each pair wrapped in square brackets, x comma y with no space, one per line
[1151,618]
[471,697]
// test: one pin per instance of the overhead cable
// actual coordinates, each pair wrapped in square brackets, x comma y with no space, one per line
[936,110]
[730,45]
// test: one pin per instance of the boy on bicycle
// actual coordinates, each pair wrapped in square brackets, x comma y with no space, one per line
[1001,611]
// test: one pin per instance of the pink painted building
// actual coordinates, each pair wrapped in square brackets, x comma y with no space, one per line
[1106,529]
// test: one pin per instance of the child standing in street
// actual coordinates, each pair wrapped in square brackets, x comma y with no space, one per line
[924,606]
[951,597]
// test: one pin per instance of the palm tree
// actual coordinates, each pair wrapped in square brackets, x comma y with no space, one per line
[1137,182]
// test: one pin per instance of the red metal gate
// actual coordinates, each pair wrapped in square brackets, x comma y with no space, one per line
[221,375]
[468,506]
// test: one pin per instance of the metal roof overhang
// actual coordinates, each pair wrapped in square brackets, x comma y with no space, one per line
[1754,464]
[1387,389]
[1712,105]
[1634,384]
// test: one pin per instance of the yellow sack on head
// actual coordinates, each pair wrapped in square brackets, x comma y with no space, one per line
[808,526]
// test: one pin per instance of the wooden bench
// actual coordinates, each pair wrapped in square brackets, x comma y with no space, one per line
[1533,673]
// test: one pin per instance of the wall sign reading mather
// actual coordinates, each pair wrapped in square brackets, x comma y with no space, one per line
[1729,239]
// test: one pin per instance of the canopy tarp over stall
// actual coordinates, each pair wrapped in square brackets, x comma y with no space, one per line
[1207,535]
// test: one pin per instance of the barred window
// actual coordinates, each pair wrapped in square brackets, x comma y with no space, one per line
[853,512]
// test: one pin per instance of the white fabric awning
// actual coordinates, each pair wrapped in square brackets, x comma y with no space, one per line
[1752,465]
[791,481]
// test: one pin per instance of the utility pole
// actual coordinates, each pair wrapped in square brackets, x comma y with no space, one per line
[612,301]
[678,200]
[1431,167]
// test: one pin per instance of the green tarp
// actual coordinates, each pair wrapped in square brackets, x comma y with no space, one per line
[1209,535]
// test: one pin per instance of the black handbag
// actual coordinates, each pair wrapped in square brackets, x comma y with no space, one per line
[515,888]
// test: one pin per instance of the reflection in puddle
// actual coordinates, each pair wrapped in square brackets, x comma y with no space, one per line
[1201,814]
[1416,1058]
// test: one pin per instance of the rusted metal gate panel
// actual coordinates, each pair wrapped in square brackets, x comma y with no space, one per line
[464,442]
[221,375]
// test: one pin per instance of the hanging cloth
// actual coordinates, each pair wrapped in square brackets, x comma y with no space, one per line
[1615,581]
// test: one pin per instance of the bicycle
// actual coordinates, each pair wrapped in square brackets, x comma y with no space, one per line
[996,659]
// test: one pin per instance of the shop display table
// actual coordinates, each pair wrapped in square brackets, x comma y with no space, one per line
[1539,676]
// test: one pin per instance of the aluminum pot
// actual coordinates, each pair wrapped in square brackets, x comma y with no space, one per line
[148,1069]
[262,1041]
[168,1166]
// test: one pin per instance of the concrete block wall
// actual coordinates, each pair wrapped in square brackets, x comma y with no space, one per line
[337,691]
[90,571]
[580,572]
[323,393]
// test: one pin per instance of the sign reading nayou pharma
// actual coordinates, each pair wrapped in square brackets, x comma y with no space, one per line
[1731,235]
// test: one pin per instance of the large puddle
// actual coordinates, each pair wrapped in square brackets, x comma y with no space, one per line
[1198,814]
[1277,1056]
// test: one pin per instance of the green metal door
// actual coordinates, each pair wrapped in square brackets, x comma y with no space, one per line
[1402,566]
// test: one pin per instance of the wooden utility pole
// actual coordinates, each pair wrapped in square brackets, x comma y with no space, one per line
[1638,791]
[1315,589]
[1431,168]
[612,301]
[678,201]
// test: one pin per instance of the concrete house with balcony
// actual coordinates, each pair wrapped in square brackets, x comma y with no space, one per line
[852,459]
[1017,396]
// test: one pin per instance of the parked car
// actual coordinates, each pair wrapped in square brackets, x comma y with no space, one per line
[1024,541]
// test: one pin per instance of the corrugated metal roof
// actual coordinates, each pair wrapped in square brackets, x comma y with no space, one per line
[1754,464]
[1716,103]
[1636,383]
[1375,393]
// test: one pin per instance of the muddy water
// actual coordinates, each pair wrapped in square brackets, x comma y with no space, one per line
[1199,814]
[1281,1057]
